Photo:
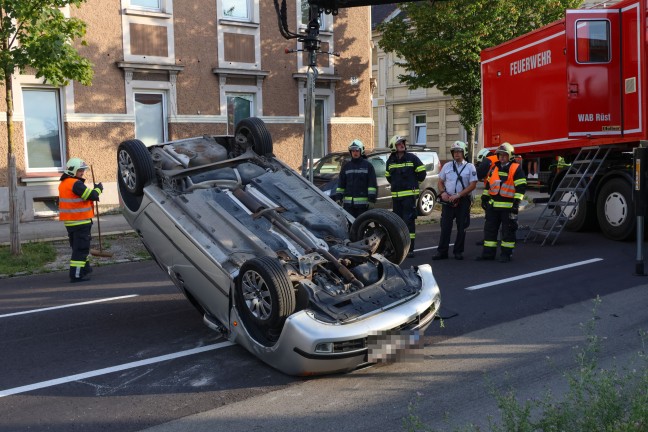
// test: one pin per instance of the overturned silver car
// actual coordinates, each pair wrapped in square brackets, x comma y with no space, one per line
[269,260]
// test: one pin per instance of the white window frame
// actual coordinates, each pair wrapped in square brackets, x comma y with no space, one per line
[164,7]
[328,96]
[61,129]
[165,116]
[250,6]
[326,36]
[162,17]
[418,125]
[253,107]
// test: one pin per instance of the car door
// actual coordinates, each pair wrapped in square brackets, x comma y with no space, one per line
[379,163]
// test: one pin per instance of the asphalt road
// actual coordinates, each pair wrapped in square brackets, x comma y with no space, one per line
[127,352]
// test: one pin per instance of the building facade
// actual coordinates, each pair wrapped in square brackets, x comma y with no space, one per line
[424,115]
[170,69]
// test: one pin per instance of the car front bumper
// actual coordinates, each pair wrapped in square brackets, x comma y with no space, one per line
[349,344]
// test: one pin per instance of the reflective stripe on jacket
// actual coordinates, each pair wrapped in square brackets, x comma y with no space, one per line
[357,182]
[74,209]
[405,174]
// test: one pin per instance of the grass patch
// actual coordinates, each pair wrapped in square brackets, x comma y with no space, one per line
[34,256]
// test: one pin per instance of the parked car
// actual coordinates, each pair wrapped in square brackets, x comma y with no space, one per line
[327,170]
[268,259]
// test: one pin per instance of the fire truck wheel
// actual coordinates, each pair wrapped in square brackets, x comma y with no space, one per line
[614,209]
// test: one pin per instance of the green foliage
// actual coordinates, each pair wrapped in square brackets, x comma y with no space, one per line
[609,399]
[439,42]
[35,34]
[34,256]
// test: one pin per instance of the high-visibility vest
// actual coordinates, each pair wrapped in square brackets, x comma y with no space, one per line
[505,189]
[494,159]
[72,207]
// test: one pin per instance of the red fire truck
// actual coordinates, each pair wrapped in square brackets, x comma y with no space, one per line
[574,85]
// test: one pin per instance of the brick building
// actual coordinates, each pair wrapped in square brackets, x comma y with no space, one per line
[168,69]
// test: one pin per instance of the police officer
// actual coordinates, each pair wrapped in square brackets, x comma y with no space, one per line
[404,172]
[76,210]
[457,180]
[505,187]
[357,187]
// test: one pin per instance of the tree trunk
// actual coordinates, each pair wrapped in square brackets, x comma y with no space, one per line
[14,212]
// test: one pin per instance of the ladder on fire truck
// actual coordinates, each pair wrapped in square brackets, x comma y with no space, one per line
[571,190]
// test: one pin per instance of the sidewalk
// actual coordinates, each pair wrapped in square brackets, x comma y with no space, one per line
[53,229]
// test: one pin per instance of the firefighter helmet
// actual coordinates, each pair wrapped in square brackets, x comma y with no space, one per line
[506,148]
[458,146]
[482,154]
[74,165]
[395,140]
[356,144]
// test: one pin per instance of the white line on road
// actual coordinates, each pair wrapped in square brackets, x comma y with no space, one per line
[538,273]
[68,305]
[90,374]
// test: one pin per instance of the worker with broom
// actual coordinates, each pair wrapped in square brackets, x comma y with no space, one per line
[76,210]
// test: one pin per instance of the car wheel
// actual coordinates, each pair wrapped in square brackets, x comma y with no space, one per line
[426,202]
[395,242]
[264,297]
[252,132]
[135,166]
[614,209]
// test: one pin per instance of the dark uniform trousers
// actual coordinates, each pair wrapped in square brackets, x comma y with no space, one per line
[460,213]
[356,210]
[494,219]
[80,237]
[405,207]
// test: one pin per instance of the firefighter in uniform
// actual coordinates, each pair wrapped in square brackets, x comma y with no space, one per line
[457,180]
[504,189]
[76,210]
[485,160]
[404,172]
[357,187]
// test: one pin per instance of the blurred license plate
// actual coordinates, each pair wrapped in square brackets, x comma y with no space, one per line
[388,347]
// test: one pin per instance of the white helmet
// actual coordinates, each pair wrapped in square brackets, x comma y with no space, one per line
[74,165]
[458,146]
[356,144]
[395,140]
[482,154]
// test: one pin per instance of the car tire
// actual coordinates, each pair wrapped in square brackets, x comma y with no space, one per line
[134,171]
[426,202]
[252,132]
[396,239]
[615,210]
[264,297]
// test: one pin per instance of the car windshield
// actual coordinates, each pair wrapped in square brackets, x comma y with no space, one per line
[330,164]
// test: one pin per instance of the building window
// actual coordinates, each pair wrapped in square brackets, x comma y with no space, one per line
[146,4]
[304,15]
[236,9]
[43,129]
[239,106]
[420,129]
[150,117]
[593,41]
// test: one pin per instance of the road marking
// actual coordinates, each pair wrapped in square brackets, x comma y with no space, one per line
[550,270]
[68,305]
[104,371]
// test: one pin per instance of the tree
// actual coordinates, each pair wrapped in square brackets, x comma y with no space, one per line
[439,42]
[35,34]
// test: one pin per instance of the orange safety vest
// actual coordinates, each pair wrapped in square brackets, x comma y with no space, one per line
[507,188]
[71,206]
[494,159]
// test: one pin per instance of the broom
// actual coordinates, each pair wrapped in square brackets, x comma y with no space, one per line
[100,252]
